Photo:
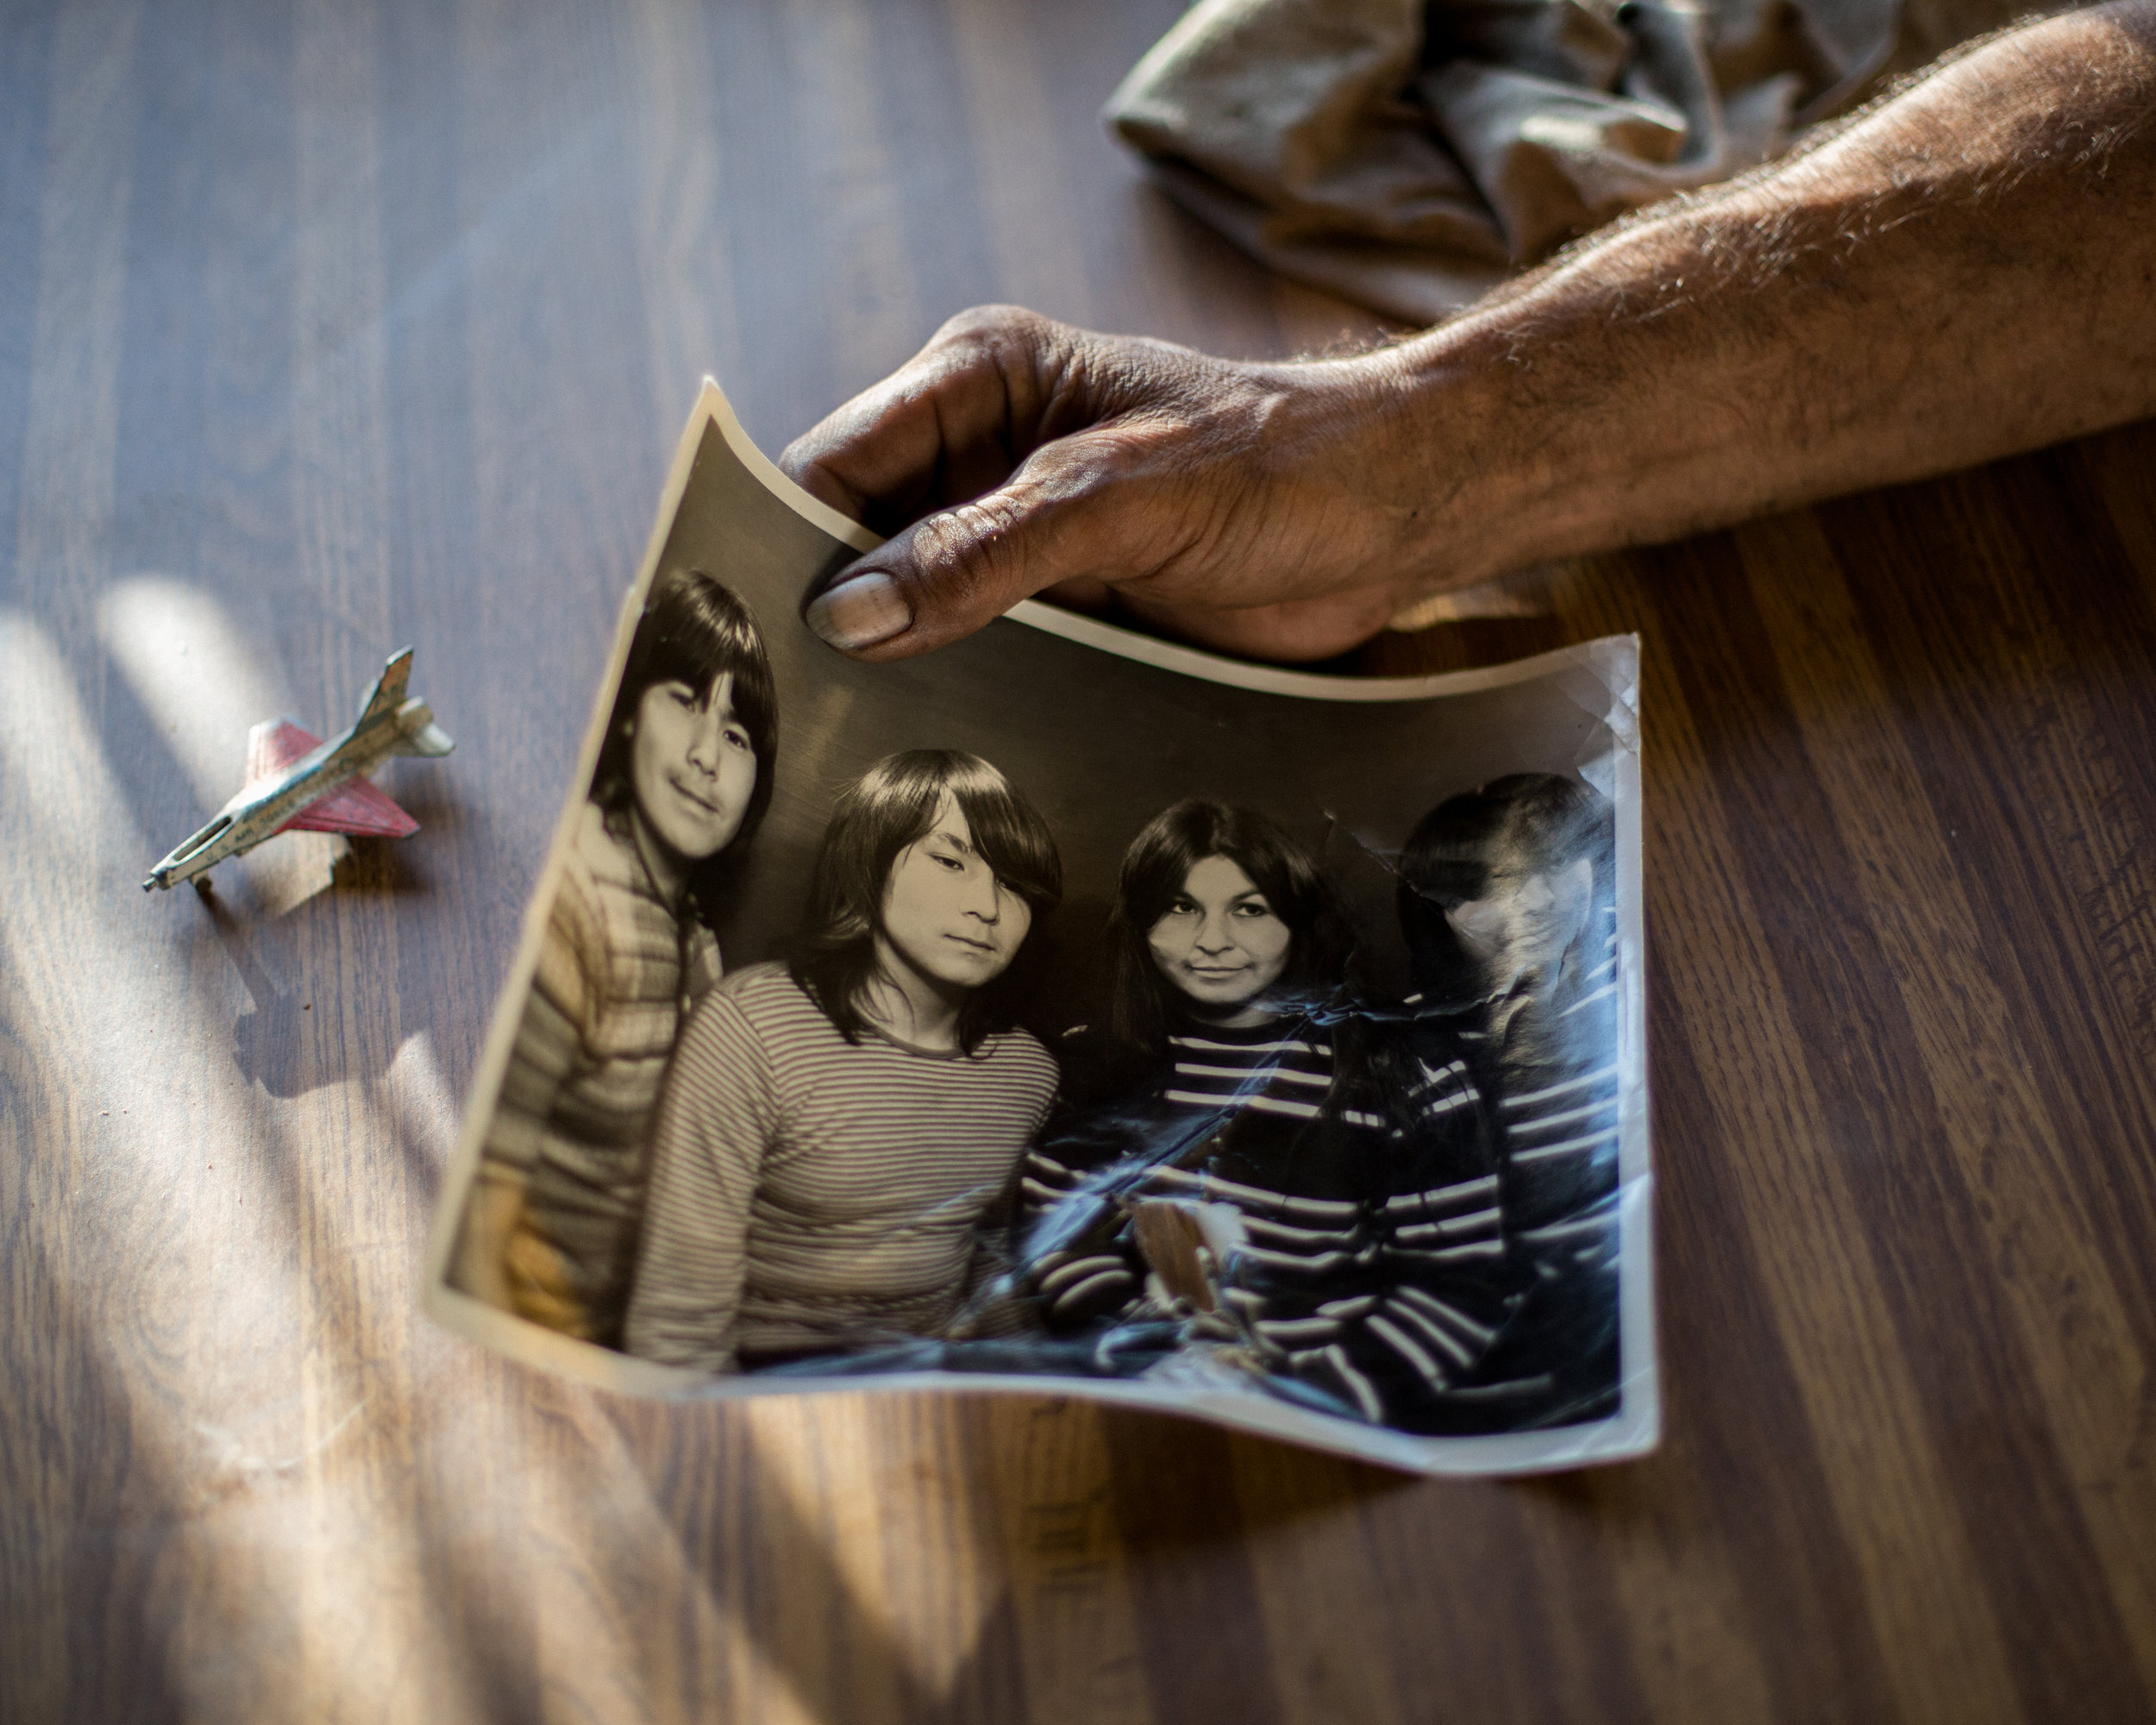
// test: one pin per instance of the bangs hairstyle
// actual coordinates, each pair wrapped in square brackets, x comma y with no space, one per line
[892,806]
[694,630]
[1143,1003]
[1524,823]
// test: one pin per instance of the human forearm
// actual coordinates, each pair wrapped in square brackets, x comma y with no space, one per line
[1964,271]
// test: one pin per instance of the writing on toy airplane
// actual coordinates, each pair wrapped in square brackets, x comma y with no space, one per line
[296,782]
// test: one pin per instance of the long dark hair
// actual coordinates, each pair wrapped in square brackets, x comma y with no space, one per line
[893,805]
[694,630]
[1143,1005]
[1522,823]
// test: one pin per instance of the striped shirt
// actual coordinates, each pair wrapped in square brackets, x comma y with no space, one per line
[618,972]
[808,1193]
[1552,1061]
[1355,1249]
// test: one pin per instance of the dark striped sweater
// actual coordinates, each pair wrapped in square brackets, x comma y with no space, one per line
[1357,1247]
[1550,1060]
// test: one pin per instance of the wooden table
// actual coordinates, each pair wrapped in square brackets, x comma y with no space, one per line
[332,326]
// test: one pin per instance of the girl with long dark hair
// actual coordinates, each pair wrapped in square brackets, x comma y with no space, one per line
[683,779]
[1250,1156]
[1508,903]
[833,1129]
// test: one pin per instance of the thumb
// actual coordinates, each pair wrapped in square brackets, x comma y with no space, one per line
[953,571]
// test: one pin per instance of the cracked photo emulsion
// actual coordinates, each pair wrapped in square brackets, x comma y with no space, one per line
[1068,1011]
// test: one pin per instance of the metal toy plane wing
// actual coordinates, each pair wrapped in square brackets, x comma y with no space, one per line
[296,783]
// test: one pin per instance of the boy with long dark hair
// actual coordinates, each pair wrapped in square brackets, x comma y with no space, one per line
[683,780]
[833,1129]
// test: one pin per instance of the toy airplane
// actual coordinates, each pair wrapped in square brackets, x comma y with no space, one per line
[296,782]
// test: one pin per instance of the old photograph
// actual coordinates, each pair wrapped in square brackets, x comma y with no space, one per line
[1072,1009]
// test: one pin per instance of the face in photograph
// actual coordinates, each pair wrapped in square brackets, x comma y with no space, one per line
[1528,917]
[933,872]
[1501,884]
[692,766]
[946,915]
[1219,916]
[1219,942]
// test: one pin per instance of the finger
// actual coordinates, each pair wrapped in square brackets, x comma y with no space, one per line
[1063,518]
[941,428]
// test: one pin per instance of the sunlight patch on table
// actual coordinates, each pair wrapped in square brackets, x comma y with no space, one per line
[275,1446]
[204,686]
[199,677]
[200,1318]
[845,1478]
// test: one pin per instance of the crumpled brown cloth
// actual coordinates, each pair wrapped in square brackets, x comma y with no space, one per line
[1410,154]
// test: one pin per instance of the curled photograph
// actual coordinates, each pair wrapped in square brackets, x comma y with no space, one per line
[1069,1011]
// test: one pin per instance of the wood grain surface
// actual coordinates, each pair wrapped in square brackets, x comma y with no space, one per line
[328,326]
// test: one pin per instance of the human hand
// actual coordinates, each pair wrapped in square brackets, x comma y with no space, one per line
[1278,510]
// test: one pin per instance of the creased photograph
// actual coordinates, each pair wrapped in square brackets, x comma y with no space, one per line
[1071,1012]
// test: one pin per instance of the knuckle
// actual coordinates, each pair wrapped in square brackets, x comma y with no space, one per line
[965,555]
[806,454]
[994,329]
[1121,453]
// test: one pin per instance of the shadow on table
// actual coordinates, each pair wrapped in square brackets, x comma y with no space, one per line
[295,959]
[1174,1524]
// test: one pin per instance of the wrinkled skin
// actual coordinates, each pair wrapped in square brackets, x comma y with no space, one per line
[1959,273]
[1231,501]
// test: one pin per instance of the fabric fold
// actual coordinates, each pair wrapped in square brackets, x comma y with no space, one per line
[1407,153]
